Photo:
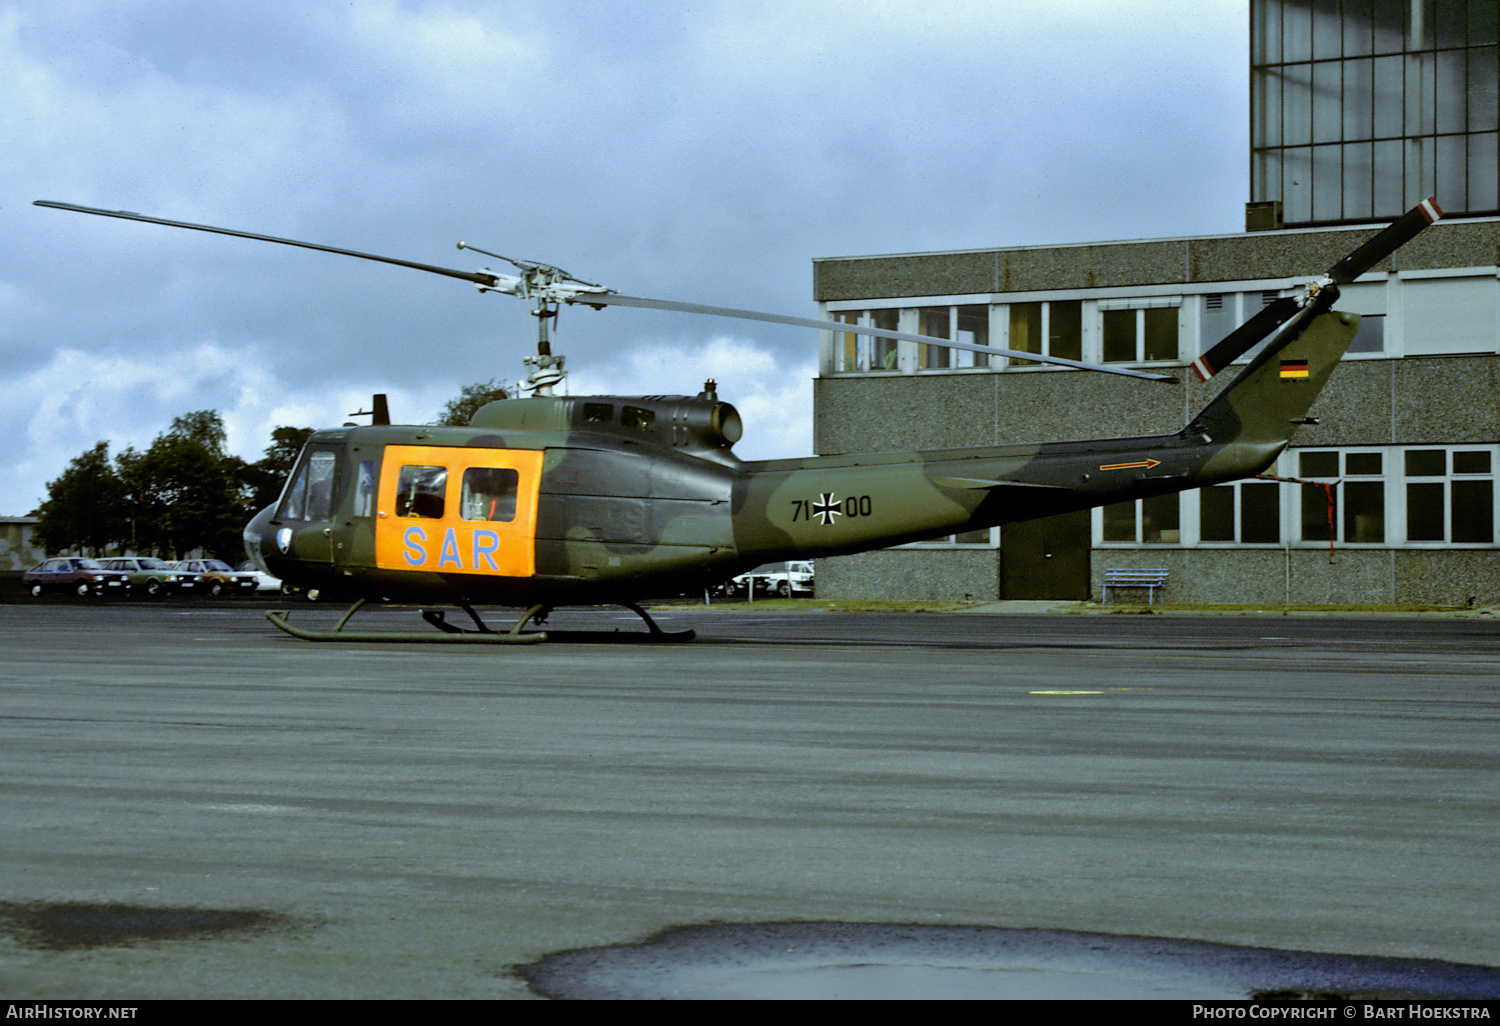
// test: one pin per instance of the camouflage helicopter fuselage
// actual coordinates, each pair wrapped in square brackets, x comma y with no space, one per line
[599,499]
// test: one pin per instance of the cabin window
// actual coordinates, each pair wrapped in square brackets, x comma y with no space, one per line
[598,413]
[420,491]
[364,489]
[489,493]
[310,494]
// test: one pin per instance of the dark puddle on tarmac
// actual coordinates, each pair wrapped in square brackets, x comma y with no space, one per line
[73,925]
[885,961]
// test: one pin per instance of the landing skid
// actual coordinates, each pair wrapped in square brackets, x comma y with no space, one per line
[480,633]
[656,636]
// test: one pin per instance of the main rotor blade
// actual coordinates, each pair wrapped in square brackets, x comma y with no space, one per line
[1244,338]
[478,278]
[614,299]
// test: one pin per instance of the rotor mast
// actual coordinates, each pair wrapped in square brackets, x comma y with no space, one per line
[541,285]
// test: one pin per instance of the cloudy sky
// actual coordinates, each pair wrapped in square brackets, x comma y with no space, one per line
[701,151]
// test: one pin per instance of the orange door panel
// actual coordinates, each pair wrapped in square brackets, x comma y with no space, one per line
[458,510]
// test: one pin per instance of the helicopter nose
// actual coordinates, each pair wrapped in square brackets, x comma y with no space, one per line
[258,537]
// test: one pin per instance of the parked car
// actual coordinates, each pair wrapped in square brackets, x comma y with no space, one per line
[788,579]
[149,575]
[216,577]
[77,574]
[263,580]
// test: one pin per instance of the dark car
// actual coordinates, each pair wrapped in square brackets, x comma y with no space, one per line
[155,577]
[76,574]
[217,577]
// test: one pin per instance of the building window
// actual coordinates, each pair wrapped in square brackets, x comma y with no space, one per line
[1137,331]
[1153,521]
[934,322]
[1426,497]
[1248,512]
[967,324]
[1048,329]
[1449,315]
[1370,338]
[1360,109]
[1357,516]
[984,538]
[883,350]
[1450,496]
[854,352]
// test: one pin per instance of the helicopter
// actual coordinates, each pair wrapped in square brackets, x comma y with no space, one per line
[549,500]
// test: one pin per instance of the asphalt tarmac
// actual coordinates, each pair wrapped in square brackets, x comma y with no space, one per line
[195,805]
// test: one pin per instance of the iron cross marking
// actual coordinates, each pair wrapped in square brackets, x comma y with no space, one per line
[826,508]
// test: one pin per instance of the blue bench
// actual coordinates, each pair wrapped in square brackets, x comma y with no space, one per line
[1121,577]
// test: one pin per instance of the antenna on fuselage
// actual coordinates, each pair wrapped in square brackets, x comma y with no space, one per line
[379,413]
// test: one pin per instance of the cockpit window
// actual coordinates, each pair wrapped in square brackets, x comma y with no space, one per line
[310,495]
[420,491]
[598,413]
[489,493]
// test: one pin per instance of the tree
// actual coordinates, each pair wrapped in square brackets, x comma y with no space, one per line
[205,427]
[460,411]
[185,498]
[85,507]
[183,493]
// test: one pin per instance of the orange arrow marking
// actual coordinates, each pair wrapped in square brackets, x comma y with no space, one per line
[1146,464]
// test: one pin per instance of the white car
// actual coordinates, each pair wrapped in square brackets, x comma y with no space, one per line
[263,580]
[789,579]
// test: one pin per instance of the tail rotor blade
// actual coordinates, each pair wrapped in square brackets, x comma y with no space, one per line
[1392,238]
[1242,339]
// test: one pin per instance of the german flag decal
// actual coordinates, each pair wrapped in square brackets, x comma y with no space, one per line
[1293,369]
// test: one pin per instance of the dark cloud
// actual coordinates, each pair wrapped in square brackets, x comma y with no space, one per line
[705,152]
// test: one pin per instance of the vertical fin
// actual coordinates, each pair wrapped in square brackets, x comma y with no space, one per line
[1268,400]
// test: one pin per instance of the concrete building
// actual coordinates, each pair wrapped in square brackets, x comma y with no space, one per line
[1409,440]
[18,552]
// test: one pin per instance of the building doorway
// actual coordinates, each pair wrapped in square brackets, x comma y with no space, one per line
[1046,558]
